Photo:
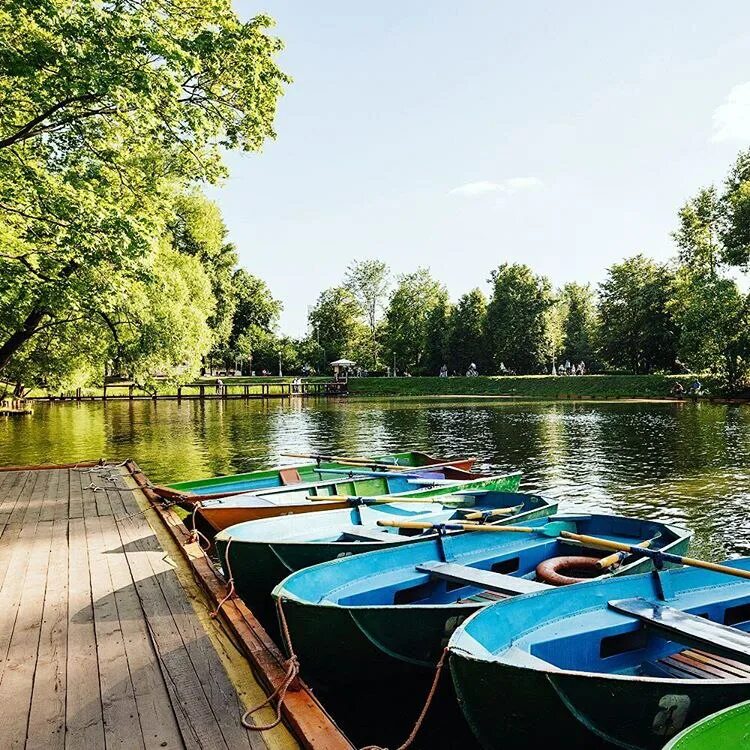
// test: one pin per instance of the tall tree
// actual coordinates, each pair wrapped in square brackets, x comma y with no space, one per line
[337,324]
[437,336]
[714,323]
[368,281]
[637,329]
[466,327]
[415,297]
[698,235]
[254,320]
[578,308]
[197,229]
[516,323]
[108,111]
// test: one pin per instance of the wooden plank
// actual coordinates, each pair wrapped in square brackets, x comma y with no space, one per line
[121,727]
[730,665]
[53,496]
[33,510]
[200,726]
[75,505]
[83,707]
[483,579]
[47,717]
[22,502]
[88,499]
[12,492]
[17,680]
[12,590]
[158,724]
[62,499]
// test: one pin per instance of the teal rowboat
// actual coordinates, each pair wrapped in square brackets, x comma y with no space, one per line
[263,553]
[383,618]
[300,473]
[629,661]
[729,728]
[215,515]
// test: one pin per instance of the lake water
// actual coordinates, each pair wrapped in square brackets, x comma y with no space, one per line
[685,463]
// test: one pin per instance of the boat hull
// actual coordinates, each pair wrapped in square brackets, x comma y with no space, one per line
[728,728]
[589,711]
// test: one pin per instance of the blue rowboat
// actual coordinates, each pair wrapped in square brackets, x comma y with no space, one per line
[215,515]
[385,617]
[262,553]
[627,661]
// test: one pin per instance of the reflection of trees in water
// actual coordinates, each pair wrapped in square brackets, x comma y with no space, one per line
[679,462]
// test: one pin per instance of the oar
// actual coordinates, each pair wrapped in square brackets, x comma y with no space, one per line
[666,556]
[617,557]
[414,473]
[378,499]
[553,528]
[493,512]
[349,461]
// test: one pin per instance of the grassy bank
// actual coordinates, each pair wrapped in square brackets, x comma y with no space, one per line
[528,386]
[524,386]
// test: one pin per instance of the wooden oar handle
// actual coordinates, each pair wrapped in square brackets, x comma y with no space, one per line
[456,525]
[406,524]
[615,557]
[693,562]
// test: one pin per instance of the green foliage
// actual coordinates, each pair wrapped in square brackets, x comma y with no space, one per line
[466,333]
[368,281]
[517,319]
[338,326]
[437,336]
[108,112]
[415,297]
[697,236]
[636,328]
[197,229]
[578,310]
[714,323]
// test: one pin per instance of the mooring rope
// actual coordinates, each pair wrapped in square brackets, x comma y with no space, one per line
[279,694]
[196,535]
[423,713]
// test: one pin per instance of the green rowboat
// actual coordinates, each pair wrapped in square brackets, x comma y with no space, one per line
[729,728]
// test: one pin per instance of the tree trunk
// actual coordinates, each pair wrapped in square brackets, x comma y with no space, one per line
[17,339]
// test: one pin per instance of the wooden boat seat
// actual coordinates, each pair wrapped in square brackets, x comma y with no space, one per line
[368,534]
[693,664]
[483,579]
[483,597]
[289,476]
[689,629]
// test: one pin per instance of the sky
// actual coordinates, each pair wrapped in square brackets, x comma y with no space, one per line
[461,135]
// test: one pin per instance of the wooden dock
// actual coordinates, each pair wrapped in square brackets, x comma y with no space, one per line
[105,636]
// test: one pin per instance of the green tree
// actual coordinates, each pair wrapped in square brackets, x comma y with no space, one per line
[578,308]
[415,297]
[698,235]
[108,111]
[338,327]
[197,229]
[735,203]
[466,327]
[368,281]
[714,322]
[517,317]
[254,320]
[437,336]
[636,328]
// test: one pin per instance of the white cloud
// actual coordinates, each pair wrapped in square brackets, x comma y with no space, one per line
[732,118]
[511,185]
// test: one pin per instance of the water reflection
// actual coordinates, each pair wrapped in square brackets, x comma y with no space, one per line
[679,462]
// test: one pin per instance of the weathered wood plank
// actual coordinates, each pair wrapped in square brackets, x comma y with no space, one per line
[199,725]
[22,501]
[17,680]
[83,707]
[19,479]
[47,717]
[157,720]
[121,727]
[33,511]
[75,504]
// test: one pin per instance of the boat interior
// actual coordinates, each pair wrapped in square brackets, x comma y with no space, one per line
[476,568]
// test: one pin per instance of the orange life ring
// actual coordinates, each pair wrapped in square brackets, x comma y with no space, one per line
[562,571]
